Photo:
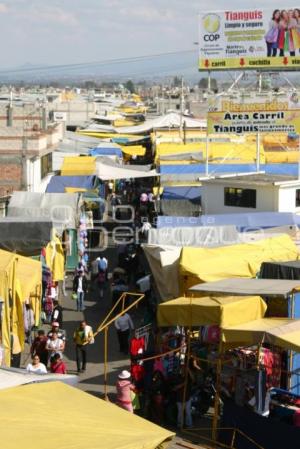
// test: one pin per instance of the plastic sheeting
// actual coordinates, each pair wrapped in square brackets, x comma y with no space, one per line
[171,120]
[24,236]
[164,264]
[222,168]
[60,208]
[241,287]
[281,332]
[212,264]
[103,151]
[78,166]
[223,311]
[80,421]
[107,170]
[13,377]
[243,222]
[58,184]
[200,236]
[184,192]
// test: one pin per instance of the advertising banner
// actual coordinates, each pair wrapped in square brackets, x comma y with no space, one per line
[285,121]
[250,39]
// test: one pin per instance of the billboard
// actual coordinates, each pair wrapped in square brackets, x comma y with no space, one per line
[250,39]
[254,113]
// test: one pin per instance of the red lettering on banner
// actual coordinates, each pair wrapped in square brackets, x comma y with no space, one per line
[243,15]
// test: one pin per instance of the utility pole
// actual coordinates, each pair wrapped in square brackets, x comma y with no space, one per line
[181,109]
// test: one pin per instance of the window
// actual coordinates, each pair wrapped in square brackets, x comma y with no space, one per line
[239,197]
[46,165]
[297,197]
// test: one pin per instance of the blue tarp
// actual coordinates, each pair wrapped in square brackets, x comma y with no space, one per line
[182,193]
[103,151]
[58,184]
[243,222]
[276,169]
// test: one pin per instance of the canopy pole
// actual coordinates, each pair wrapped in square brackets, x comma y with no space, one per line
[105,363]
[217,395]
[186,373]
[290,368]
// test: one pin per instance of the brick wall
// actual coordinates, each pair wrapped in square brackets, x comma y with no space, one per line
[10,175]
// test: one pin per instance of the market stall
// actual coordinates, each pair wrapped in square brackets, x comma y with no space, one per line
[259,391]
[21,282]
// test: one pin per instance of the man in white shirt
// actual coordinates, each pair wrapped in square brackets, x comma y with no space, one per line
[124,324]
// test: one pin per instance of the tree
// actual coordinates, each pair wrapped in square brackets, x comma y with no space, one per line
[130,86]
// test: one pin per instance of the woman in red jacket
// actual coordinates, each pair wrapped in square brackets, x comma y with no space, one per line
[57,365]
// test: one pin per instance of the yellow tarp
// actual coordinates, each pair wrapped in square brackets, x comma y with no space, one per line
[20,279]
[212,264]
[78,165]
[281,157]
[75,190]
[55,259]
[59,415]
[134,150]
[281,332]
[224,311]
[232,151]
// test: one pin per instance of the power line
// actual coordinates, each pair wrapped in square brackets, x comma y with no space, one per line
[94,63]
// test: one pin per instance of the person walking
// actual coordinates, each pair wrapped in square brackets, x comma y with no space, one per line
[36,367]
[57,314]
[55,345]
[183,394]
[80,288]
[38,347]
[124,388]
[124,324]
[29,321]
[60,332]
[83,336]
[57,365]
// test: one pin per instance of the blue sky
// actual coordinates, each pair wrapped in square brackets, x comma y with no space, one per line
[73,31]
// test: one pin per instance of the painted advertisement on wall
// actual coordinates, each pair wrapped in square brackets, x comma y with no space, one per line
[260,39]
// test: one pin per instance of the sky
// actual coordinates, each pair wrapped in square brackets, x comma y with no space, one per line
[76,31]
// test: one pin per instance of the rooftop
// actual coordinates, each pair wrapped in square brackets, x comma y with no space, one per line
[259,179]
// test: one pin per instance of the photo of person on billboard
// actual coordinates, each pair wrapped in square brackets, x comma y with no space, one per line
[273,33]
[283,33]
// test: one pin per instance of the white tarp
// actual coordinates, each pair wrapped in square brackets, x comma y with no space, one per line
[164,264]
[106,170]
[61,208]
[249,287]
[171,120]
[196,236]
[10,377]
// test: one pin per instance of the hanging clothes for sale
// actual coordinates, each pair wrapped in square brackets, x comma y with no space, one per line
[137,346]
[271,361]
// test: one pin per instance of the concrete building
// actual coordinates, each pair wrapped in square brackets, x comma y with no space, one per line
[74,112]
[251,193]
[27,140]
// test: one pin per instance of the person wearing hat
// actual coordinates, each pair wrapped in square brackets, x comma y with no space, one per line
[55,328]
[124,388]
